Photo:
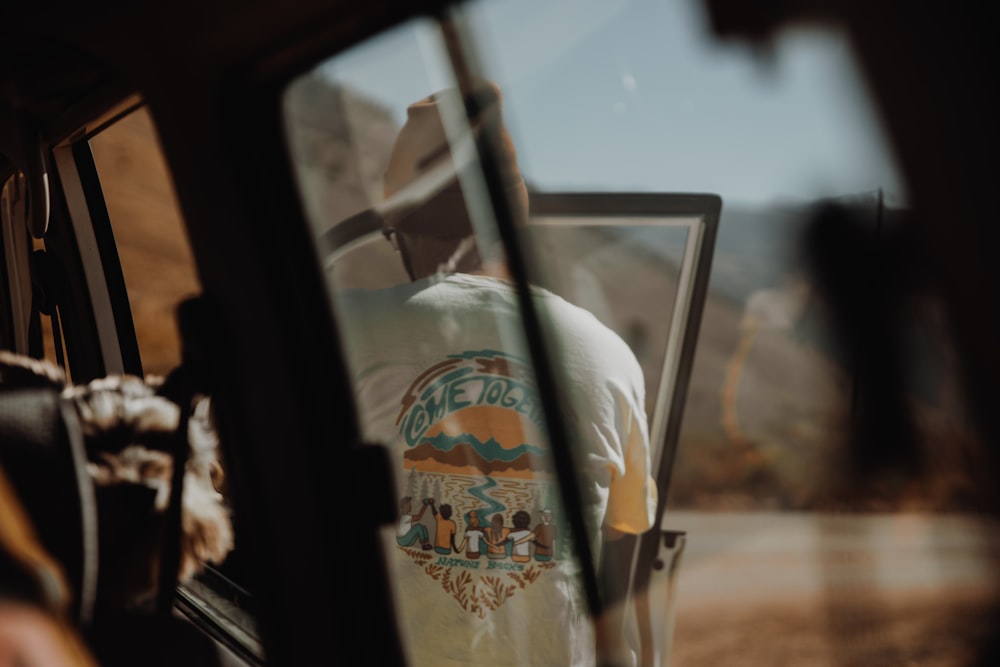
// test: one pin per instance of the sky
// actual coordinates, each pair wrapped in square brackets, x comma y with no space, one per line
[637,95]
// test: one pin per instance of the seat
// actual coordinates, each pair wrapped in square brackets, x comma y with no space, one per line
[46,465]
[43,456]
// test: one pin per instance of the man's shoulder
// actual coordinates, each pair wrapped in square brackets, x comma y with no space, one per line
[577,325]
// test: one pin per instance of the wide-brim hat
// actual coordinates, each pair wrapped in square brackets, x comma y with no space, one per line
[425,180]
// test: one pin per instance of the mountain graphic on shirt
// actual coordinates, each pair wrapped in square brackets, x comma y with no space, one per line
[467,454]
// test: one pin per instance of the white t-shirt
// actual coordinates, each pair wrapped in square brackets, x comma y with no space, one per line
[522,549]
[442,379]
[473,536]
[405,524]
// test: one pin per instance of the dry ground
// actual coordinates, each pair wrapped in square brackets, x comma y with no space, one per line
[829,590]
[938,629]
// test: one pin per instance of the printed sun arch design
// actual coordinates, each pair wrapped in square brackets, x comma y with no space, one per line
[478,488]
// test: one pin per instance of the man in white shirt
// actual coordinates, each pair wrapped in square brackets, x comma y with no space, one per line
[442,378]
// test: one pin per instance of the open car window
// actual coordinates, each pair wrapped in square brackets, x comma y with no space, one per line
[612,123]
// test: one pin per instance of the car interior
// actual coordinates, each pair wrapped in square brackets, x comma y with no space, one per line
[781,208]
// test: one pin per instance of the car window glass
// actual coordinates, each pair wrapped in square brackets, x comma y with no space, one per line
[435,342]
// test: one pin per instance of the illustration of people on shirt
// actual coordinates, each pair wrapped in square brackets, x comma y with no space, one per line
[410,530]
[545,537]
[444,536]
[473,536]
[496,538]
[520,538]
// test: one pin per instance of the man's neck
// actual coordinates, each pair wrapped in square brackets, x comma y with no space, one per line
[492,270]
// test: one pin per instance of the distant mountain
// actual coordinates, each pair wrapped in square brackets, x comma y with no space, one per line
[340,142]
[756,247]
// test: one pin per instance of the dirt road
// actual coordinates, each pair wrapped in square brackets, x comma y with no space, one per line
[833,590]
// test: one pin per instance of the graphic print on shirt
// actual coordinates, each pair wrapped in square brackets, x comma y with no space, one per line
[478,491]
